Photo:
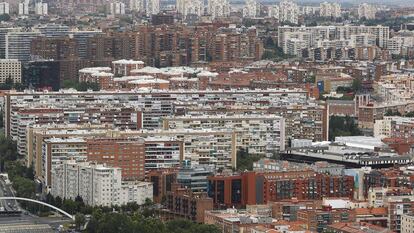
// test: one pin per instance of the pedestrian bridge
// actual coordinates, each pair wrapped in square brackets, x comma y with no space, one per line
[41,203]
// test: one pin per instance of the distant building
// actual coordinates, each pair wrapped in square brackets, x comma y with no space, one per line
[97,184]
[117,8]
[10,69]
[288,12]
[190,7]
[407,223]
[24,7]
[41,8]
[126,153]
[366,11]
[18,45]
[218,8]
[330,10]
[250,9]
[4,8]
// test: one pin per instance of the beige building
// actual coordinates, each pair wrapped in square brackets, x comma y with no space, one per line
[10,68]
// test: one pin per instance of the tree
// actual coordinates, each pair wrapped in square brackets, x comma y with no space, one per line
[58,202]
[356,85]
[245,160]
[4,17]
[342,126]
[80,220]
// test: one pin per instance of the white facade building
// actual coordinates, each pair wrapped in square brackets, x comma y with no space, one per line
[10,68]
[250,8]
[358,35]
[273,11]
[4,8]
[218,8]
[149,7]
[117,8]
[41,8]
[97,184]
[366,11]
[190,7]
[24,8]
[152,7]
[288,12]
[330,10]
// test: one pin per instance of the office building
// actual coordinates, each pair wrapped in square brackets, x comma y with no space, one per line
[18,45]
[194,177]
[10,69]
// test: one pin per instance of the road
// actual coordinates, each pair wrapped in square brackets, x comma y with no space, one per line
[25,217]
[6,191]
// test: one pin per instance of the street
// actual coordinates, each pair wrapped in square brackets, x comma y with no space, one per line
[25,217]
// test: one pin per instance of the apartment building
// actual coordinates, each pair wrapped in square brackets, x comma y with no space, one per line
[394,127]
[125,153]
[330,10]
[367,11]
[314,35]
[97,184]
[56,151]
[218,8]
[150,106]
[190,7]
[186,204]
[318,220]
[259,134]
[398,206]
[288,12]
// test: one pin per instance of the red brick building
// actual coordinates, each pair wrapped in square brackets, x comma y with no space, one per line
[126,153]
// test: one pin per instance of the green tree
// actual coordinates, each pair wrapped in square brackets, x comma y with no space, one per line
[245,160]
[4,17]
[342,126]
[356,85]
[80,220]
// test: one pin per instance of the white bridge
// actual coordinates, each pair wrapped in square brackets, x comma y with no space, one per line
[41,203]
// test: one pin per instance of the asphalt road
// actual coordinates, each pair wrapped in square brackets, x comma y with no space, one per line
[25,217]
[6,191]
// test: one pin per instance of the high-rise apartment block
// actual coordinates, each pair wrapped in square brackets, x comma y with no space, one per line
[190,7]
[41,8]
[367,11]
[97,184]
[314,37]
[117,8]
[126,153]
[250,9]
[218,8]
[4,8]
[288,12]
[330,10]
[24,8]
